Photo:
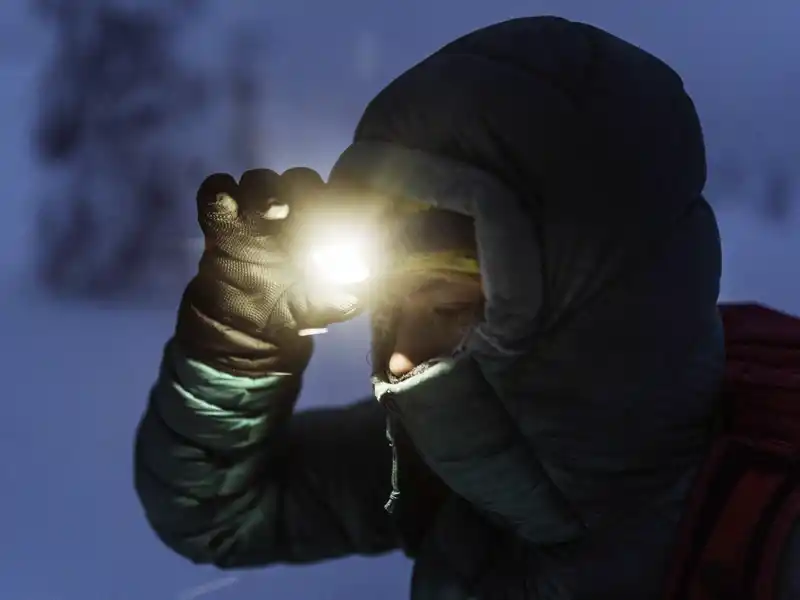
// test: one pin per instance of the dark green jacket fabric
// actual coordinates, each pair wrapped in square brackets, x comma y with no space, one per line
[559,471]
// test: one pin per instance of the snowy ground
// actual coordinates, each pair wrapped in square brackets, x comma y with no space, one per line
[76,379]
[76,383]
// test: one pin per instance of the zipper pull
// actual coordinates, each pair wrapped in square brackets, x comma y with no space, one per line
[394,496]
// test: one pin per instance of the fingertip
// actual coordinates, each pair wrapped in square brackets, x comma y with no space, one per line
[217,193]
[217,183]
[259,182]
[302,175]
[300,181]
[257,189]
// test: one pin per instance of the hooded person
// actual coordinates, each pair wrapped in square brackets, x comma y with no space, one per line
[547,347]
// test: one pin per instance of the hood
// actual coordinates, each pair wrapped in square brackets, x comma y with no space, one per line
[596,138]
[581,159]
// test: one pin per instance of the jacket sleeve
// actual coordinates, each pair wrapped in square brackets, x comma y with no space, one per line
[227,475]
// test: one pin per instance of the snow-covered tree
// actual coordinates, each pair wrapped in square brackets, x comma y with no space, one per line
[246,77]
[117,104]
[770,186]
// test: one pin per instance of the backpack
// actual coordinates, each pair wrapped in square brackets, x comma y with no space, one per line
[746,497]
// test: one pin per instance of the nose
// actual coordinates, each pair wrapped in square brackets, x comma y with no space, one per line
[415,341]
[400,364]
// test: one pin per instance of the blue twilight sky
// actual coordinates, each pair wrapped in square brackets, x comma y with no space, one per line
[76,378]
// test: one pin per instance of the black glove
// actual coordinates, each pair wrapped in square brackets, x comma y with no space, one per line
[242,312]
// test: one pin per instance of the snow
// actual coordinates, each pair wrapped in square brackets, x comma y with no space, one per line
[76,382]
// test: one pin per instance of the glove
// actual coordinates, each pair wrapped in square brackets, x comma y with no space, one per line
[242,312]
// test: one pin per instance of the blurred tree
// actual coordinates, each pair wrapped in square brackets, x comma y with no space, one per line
[769,187]
[779,192]
[116,103]
[245,72]
[727,175]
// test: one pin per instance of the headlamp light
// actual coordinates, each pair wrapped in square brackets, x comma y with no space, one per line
[339,262]
[339,256]
[349,242]
[333,267]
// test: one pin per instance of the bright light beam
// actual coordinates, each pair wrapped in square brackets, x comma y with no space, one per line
[339,263]
[335,264]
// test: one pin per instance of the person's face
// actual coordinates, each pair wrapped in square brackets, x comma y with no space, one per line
[432,318]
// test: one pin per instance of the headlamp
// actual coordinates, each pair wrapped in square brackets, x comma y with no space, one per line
[339,255]
[351,241]
[339,262]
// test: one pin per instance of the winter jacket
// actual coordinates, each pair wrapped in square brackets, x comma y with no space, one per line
[558,471]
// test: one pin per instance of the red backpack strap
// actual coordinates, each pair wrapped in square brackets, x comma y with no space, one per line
[747,495]
[744,503]
[761,395]
[767,549]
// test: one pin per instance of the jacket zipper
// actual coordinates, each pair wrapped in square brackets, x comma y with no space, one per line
[394,496]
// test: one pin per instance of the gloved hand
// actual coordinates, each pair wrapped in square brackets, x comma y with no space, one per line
[242,311]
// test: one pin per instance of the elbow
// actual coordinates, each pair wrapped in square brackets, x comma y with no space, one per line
[204,547]
[197,548]
[184,525]
[180,495]
[196,531]
[211,530]
[200,502]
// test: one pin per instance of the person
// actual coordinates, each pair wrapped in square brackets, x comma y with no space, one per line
[547,346]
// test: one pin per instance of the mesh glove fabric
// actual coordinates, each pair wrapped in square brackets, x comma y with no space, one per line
[242,312]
